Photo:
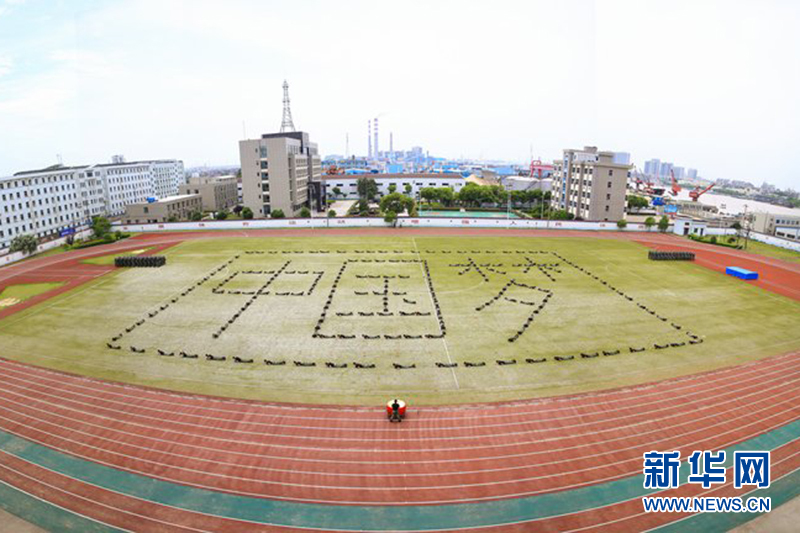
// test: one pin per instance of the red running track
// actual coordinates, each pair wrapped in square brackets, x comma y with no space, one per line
[440,455]
[350,455]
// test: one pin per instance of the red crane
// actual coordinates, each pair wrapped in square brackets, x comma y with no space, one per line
[697,193]
[675,187]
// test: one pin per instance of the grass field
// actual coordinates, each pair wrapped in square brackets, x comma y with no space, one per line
[768,250]
[424,304]
[109,259]
[19,293]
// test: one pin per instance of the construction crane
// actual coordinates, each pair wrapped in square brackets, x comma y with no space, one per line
[697,193]
[675,187]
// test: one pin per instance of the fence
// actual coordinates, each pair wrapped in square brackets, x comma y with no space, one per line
[7,259]
[422,222]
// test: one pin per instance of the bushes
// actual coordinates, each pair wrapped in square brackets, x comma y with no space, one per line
[331,213]
[622,223]
[247,213]
[111,237]
[278,213]
[305,213]
[221,215]
[195,216]
[26,244]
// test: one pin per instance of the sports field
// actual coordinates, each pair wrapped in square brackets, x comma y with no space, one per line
[438,319]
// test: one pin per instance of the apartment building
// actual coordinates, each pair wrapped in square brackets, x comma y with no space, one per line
[171,208]
[347,184]
[590,185]
[218,193]
[48,201]
[280,171]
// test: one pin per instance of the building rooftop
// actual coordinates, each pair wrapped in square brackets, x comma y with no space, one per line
[429,175]
[168,199]
[51,168]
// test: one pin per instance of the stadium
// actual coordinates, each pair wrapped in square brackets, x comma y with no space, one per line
[230,380]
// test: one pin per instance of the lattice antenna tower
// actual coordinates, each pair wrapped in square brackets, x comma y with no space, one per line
[286,123]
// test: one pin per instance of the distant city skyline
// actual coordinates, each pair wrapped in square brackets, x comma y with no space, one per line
[87,79]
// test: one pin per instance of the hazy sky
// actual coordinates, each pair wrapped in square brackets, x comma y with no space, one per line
[704,84]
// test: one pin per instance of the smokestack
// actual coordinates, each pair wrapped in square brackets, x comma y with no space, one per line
[369,139]
[377,150]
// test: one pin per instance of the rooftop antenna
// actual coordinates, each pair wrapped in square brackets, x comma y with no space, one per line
[60,161]
[286,123]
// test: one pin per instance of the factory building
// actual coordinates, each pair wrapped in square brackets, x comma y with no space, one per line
[588,184]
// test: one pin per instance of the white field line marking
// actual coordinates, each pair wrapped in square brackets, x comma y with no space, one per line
[601,397]
[760,379]
[433,308]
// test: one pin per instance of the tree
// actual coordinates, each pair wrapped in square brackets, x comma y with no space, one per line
[663,224]
[247,213]
[392,187]
[428,194]
[367,188]
[446,196]
[195,216]
[408,189]
[396,203]
[305,212]
[100,227]
[649,222]
[27,244]
[471,194]
[363,207]
[622,223]
[331,213]
[278,213]
[561,214]
[637,202]
[172,218]
[221,215]
[390,217]
[337,192]
[238,209]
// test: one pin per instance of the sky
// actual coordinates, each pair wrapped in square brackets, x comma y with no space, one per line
[711,85]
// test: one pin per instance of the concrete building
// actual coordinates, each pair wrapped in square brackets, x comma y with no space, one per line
[280,171]
[177,207]
[347,184]
[49,201]
[218,193]
[784,226]
[588,184]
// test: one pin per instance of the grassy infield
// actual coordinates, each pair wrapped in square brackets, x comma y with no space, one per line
[737,321]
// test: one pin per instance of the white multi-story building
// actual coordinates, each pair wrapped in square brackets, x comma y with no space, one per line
[48,201]
[347,184]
